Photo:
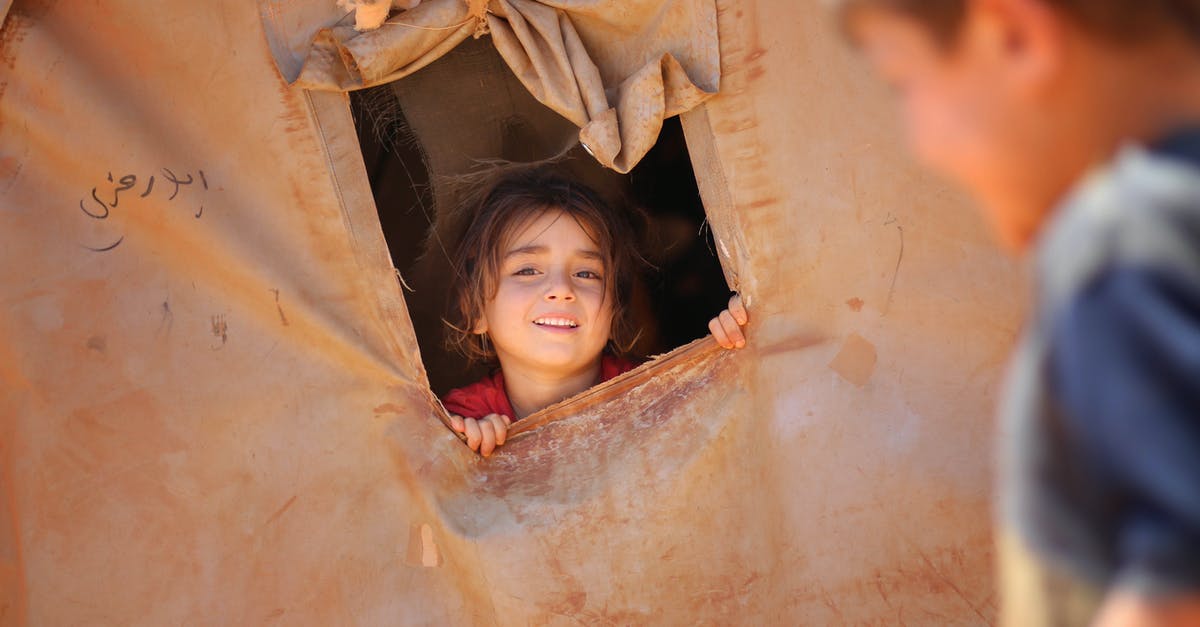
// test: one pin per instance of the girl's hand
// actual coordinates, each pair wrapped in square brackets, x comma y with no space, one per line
[483,434]
[727,326]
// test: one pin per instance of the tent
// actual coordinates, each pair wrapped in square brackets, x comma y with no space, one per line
[213,407]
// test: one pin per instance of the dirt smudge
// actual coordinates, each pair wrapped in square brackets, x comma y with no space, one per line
[856,361]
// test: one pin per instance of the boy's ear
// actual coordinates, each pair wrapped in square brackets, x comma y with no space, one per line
[1027,36]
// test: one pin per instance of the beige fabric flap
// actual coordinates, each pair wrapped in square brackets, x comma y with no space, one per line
[615,69]
[342,59]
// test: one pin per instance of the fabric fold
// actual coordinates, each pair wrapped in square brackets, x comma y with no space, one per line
[632,68]
[344,59]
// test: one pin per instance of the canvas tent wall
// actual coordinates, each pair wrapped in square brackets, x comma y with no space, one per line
[214,411]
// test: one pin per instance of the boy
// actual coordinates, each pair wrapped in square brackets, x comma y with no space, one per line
[1076,124]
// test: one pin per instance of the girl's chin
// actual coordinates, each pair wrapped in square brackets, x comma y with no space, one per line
[563,363]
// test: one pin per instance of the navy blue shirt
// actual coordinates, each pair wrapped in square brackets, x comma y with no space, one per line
[1101,459]
[1125,358]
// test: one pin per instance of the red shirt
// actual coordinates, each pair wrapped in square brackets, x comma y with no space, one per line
[487,396]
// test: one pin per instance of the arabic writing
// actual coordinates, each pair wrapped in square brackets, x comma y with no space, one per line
[100,208]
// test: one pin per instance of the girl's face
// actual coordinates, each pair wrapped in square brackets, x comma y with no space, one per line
[552,311]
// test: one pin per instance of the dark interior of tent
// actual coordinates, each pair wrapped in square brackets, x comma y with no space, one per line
[431,137]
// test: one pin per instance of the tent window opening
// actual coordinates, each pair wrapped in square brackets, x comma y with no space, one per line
[422,138]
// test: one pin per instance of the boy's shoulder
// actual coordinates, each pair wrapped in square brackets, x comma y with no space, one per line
[1141,211]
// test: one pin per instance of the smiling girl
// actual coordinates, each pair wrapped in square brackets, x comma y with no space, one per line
[545,270]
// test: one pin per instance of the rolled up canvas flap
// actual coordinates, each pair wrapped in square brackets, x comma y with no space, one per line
[614,68]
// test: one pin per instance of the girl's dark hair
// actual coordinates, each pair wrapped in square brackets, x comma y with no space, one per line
[508,205]
[1120,21]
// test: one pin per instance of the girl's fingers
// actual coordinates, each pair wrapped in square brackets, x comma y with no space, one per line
[488,431]
[483,434]
[718,332]
[732,330]
[738,310]
[499,426]
[474,435]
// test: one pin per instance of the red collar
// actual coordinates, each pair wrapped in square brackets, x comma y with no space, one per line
[488,396]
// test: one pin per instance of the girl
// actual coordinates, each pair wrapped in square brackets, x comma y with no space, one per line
[545,271]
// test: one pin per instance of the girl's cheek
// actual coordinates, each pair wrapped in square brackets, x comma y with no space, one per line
[517,286]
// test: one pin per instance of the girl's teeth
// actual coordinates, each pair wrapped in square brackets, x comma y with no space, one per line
[555,322]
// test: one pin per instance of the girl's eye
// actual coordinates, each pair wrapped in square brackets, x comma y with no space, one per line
[525,272]
[587,274]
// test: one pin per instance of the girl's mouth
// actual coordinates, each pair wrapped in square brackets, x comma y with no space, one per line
[556,322]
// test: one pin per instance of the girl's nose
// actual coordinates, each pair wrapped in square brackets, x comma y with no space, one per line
[560,288]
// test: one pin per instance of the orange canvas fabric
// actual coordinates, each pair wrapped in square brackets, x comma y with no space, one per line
[213,409]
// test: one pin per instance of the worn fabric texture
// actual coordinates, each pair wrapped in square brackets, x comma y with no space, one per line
[614,68]
[213,409]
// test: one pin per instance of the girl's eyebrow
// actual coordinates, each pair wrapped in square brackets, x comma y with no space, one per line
[525,250]
[537,250]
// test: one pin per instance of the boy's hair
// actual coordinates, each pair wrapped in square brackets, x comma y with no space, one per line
[1119,21]
[512,202]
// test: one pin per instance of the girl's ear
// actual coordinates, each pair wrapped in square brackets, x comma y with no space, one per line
[481,326]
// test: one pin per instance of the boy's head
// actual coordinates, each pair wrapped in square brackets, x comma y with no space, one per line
[542,253]
[1016,99]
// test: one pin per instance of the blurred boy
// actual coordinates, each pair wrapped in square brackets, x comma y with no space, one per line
[1076,123]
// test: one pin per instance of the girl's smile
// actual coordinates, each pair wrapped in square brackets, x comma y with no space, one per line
[557,322]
